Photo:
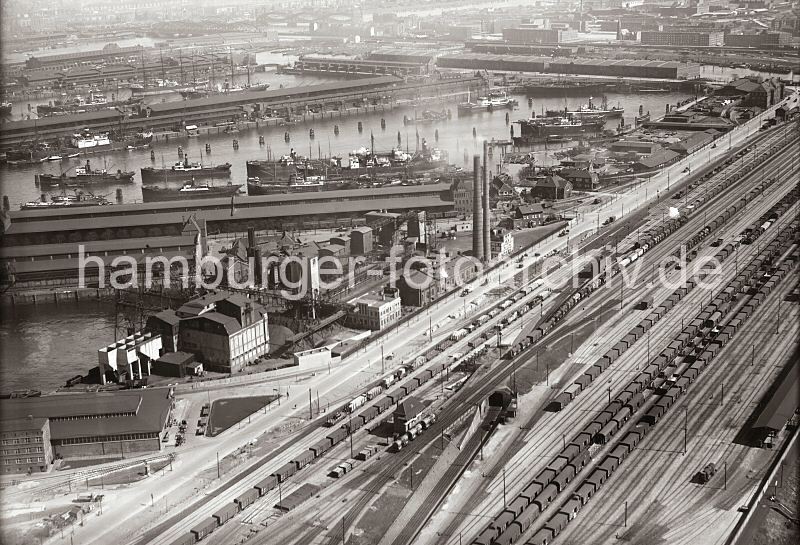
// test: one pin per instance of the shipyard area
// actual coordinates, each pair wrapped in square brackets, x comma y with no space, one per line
[364,273]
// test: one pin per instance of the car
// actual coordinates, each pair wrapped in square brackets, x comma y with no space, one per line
[537,254]
[744,509]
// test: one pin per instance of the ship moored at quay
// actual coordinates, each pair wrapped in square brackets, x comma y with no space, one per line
[184,170]
[85,175]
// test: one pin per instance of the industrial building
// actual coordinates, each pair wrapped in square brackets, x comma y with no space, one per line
[105,425]
[25,445]
[361,240]
[683,38]
[129,359]
[502,243]
[531,35]
[588,67]
[225,332]
[377,311]
[49,252]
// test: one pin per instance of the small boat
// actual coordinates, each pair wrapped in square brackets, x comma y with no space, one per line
[53,158]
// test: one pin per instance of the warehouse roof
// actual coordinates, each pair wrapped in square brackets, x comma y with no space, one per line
[92,246]
[78,120]
[241,202]
[22,424]
[150,418]
[783,403]
[73,405]
[248,97]
[296,210]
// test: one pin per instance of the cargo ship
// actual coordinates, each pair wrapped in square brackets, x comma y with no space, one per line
[360,162]
[589,110]
[190,190]
[544,129]
[185,170]
[255,186]
[84,175]
[72,105]
[65,201]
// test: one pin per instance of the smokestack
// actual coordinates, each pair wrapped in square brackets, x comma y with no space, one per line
[487,243]
[477,209]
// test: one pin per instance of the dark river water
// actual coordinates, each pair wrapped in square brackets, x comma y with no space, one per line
[41,346]
[454,135]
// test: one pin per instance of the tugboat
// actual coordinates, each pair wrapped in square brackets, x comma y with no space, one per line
[184,171]
[66,201]
[5,109]
[84,175]
[190,190]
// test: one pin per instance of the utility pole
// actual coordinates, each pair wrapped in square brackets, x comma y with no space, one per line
[626,515]
[310,406]
[505,503]
[350,429]
[382,364]
[343,532]
[218,471]
[685,428]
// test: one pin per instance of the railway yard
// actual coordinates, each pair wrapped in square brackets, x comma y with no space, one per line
[573,396]
[587,331]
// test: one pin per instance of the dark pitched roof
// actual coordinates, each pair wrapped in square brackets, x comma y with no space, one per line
[409,408]
[526,209]
[553,181]
[72,405]
[783,403]
[168,316]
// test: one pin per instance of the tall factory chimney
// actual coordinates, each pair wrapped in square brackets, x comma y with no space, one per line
[477,209]
[487,242]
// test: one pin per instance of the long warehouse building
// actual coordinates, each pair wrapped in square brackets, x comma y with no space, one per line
[585,67]
[40,245]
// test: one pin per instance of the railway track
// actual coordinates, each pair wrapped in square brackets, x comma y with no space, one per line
[502,531]
[583,408]
[332,538]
